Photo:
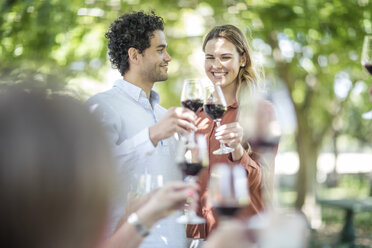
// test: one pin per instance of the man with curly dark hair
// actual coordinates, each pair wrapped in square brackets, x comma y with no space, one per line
[132,31]
[140,130]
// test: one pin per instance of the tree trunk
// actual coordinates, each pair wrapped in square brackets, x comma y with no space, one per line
[332,178]
[308,155]
[308,151]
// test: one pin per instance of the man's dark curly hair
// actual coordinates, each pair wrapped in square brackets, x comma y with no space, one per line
[135,30]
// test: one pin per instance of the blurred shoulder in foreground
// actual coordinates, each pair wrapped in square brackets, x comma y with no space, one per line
[55,175]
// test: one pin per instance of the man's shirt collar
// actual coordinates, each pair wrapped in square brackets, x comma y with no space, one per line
[136,92]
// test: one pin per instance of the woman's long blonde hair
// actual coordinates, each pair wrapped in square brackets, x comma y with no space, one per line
[250,75]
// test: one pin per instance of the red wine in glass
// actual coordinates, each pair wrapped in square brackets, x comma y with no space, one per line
[369,68]
[271,143]
[215,111]
[227,211]
[192,104]
[191,169]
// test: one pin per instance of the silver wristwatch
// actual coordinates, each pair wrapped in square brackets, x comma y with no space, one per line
[135,221]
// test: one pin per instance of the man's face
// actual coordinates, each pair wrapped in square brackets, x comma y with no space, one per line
[155,59]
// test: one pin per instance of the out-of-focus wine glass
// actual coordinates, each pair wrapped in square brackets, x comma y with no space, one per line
[215,107]
[284,229]
[192,98]
[366,60]
[148,182]
[192,159]
[143,184]
[267,117]
[228,189]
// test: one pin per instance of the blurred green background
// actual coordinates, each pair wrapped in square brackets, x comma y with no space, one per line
[312,46]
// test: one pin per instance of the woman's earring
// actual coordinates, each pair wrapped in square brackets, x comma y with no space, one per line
[242,65]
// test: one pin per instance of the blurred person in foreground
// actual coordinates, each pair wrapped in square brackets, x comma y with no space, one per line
[141,132]
[232,233]
[229,64]
[56,177]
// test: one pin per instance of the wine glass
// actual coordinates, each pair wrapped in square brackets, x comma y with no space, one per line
[285,229]
[191,98]
[261,133]
[192,159]
[147,183]
[192,94]
[142,184]
[266,115]
[366,61]
[215,107]
[228,189]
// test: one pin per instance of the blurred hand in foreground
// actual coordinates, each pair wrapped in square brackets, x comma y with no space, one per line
[231,233]
[161,202]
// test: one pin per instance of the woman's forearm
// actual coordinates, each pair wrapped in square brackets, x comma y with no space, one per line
[127,236]
[237,154]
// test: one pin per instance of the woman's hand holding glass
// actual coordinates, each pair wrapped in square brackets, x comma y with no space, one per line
[232,135]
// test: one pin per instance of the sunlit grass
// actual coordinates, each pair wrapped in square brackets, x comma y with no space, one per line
[348,186]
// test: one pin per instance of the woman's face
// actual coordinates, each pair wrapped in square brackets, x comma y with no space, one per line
[222,62]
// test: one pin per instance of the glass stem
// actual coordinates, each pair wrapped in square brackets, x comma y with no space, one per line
[189,180]
[222,145]
[191,138]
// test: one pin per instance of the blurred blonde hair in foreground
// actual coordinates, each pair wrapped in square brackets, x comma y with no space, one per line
[55,171]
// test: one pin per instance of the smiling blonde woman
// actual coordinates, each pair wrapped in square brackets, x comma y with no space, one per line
[229,64]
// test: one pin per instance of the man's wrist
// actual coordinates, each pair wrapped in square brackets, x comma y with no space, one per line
[153,136]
